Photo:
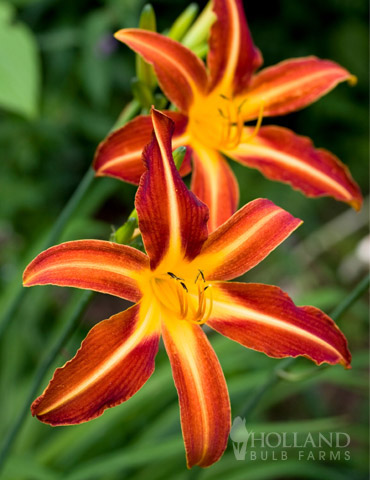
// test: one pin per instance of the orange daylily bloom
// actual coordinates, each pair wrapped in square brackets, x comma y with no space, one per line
[213,106]
[178,286]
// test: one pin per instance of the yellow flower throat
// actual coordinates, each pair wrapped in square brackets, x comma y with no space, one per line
[217,121]
[191,301]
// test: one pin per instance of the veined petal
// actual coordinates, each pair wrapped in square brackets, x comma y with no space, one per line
[282,155]
[120,154]
[214,183]
[291,85]
[232,57]
[173,222]
[181,74]
[264,318]
[245,239]
[203,396]
[91,264]
[113,363]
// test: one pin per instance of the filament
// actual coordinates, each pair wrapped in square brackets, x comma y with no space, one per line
[258,124]
[173,294]
[232,129]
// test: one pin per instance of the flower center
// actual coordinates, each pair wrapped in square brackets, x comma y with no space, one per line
[188,300]
[217,120]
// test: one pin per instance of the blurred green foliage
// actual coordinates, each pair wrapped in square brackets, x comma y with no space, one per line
[48,138]
[20,66]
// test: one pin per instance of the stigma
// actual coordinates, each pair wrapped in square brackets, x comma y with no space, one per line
[190,301]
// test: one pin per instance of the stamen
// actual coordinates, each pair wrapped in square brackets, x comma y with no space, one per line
[206,318]
[258,124]
[200,310]
[172,275]
[200,273]
[183,303]
[241,105]
[232,131]
[174,296]
[200,317]
[229,123]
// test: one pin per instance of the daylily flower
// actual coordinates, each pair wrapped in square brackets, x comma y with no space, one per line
[178,286]
[213,105]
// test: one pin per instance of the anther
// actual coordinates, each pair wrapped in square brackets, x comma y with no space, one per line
[175,277]
[184,286]
[200,273]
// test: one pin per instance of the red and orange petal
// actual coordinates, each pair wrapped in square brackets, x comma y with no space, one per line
[90,264]
[264,318]
[172,221]
[113,363]
[203,396]
[214,183]
[291,85]
[282,155]
[120,154]
[181,74]
[232,57]
[245,240]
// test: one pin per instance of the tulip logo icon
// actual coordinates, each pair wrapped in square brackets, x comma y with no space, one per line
[239,436]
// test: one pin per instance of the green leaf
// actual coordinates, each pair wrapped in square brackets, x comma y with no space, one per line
[95,63]
[26,467]
[183,22]
[19,66]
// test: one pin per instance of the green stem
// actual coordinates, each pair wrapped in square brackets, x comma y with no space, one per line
[269,383]
[279,373]
[356,293]
[44,367]
[127,114]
